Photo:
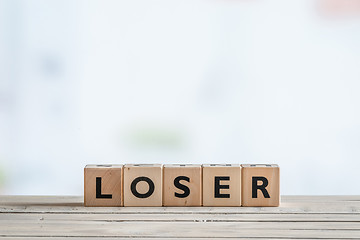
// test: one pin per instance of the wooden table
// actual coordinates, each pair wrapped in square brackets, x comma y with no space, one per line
[64,217]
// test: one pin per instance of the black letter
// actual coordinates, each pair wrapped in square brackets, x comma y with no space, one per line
[181,186]
[262,187]
[98,190]
[142,195]
[218,187]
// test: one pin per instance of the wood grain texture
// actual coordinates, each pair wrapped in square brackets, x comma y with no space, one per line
[193,173]
[153,174]
[111,187]
[65,217]
[229,191]
[267,179]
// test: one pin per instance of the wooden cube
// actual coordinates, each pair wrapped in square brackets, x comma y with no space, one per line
[260,185]
[182,185]
[222,185]
[103,185]
[143,185]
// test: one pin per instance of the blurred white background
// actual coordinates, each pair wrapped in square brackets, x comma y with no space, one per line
[200,81]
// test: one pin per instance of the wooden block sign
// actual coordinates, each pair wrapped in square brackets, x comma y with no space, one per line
[248,185]
[143,185]
[261,185]
[182,185]
[222,185]
[103,186]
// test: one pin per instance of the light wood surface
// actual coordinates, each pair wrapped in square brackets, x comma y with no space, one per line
[192,193]
[149,183]
[226,191]
[65,217]
[266,178]
[110,177]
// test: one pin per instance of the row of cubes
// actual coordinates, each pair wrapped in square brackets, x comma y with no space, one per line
[249,185]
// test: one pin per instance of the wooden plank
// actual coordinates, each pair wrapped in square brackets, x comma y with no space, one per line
[297,209]
[300,217]
[74,205]
[159,217]
[174,229]
[25,224]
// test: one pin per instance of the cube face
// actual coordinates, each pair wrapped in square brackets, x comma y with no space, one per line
[261,185]
[182,185]
[222,185]
[103,186]
[143,185]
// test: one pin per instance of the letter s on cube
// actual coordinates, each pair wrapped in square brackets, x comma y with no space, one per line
[182,185]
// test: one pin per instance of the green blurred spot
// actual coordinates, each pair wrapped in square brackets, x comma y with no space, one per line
[155,137]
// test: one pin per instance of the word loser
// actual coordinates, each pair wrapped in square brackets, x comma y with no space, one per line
[248,185]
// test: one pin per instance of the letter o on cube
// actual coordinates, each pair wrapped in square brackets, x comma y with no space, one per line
[143,185]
